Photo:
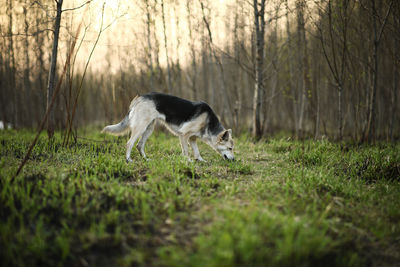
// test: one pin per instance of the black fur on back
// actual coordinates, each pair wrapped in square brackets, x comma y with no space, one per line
[178,110]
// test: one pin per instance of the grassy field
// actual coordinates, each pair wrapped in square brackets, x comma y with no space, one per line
[282,203]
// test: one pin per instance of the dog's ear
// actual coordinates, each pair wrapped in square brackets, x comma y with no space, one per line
[224,136]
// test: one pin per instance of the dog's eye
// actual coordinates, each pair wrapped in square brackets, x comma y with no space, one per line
[231,148]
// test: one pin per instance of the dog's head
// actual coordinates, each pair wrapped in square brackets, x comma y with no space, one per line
[224,144]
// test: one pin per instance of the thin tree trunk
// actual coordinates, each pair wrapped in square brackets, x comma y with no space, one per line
[367,81]
[169,84]
[11,70]
[341,72]
[340,90]
[306,69]
[371,112]
[205,70]
[236,73]
[259,24]
[39,81]
[211,84]
[4,88]
[396,53]
[192,49]
[156,47]
[290,82]
[317,86]
[275,64]
[371,126]
[317,119]
[149,46]
[178,65]
[303,61]
[52,71]
[26,92]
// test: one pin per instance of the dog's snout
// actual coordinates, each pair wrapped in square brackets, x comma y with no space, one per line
[226,157]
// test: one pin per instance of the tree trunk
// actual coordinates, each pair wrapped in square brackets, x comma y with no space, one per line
[40,82]
[317,117]
[374,85]
[259,24]
[371,126]
[395,85]
[178,82]
[236,75]
[52,71]
[192,50]
[340,90]
[26,92]
[156,47]
[3,92]
[11,70]
[290,82]
[273,51]
[149,46]
[205,71]
[317,90]
[169,84]
[303,62]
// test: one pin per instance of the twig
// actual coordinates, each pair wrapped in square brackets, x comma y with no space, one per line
[78,7]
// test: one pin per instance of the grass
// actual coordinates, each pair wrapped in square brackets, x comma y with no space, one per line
[282,203]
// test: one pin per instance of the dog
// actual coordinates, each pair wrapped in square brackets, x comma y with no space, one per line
[186,119]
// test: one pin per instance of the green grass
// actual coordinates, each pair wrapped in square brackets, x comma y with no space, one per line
[282,203]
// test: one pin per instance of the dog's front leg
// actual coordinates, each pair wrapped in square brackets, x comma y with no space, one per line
[184,145]
[196,152]
[129,146]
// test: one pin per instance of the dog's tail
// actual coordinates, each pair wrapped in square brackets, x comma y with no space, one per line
[119,128]
[122,127]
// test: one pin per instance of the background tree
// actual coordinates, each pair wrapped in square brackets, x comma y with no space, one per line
[53,64]
[259,90]
[334,38]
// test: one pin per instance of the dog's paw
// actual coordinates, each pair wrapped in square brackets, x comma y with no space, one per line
[201,160]
[128,160]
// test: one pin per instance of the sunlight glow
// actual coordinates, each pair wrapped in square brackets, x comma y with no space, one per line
[125,41]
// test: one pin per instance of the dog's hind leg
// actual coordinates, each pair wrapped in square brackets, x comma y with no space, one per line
[196,152]
[184,145]
[134,136]
[137,130]
[145,136]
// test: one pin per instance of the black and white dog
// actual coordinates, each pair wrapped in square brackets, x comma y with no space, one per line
[186,119]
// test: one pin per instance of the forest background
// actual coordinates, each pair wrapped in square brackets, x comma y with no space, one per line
[308,68]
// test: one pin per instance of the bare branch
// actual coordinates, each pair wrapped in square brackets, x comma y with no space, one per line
[78,7]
